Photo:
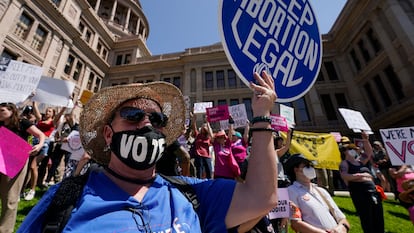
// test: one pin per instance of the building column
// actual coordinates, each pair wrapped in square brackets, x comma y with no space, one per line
[111,19]
[138,25]
[62,60]
[127,19]
[84,82]
[10,13]
[50,53]
[97,6]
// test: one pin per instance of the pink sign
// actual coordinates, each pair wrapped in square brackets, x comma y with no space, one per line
[279,123]
[218,113]
[14,152]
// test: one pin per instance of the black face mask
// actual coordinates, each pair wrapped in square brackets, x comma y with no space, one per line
[138,149]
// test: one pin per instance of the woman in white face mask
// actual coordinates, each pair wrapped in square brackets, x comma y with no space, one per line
[361,186]
[312,208]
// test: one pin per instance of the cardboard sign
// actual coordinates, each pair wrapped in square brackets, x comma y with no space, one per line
[282,208]
[202,106]
[289,114]
[14,152]
[239,115]
[355,121]
[17,80]
[86,95]
[74,145]
[218,113]
[54,92]
[399,143]
[279,123]
[280,37]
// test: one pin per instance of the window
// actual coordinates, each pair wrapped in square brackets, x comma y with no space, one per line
[39,38]
[98,82]
[376,45]
[394,82]
[330,69]
[302,110]
[341,100]
[127,59]
[248,104]
[177,82]
[355,60]
[231,75]
[78,70]
[220,79]
[370,95]
[221,102]
[8,55]
[118,60]
[329,107]
[382,91]
[90,81]
[69,64]
[320,76]
[208,82]
[168,80]
[56,2]
[23,26]
[234,102]
[364,51]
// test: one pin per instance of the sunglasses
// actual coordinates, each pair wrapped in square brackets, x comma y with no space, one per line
[158,119]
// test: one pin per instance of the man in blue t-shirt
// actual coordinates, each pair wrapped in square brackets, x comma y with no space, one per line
[123,128]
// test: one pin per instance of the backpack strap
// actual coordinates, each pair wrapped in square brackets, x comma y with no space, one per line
[63,202]
[185,188]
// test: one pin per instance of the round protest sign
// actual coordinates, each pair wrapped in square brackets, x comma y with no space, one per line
[278,36]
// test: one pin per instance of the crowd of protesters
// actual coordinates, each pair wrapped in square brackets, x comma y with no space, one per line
[212,153]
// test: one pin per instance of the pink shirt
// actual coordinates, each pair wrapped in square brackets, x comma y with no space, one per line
[225,165]
[239,150]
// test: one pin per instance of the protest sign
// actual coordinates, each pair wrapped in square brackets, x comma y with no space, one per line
[201,107]
[54,92]
[399,143]
[14,152]
[289,114]
[319,147]
[355,121]
[282,208]
[74,145]
[85,96]
[218,113]
[280,37]
[239,115]
[337,136]
[17,80]
[279,123]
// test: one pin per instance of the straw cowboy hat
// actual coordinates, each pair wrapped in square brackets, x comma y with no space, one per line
[101,106]
[408,187]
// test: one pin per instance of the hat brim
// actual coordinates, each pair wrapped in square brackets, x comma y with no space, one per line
[294,161]
[97,112]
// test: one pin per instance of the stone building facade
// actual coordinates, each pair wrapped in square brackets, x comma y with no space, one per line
[368,58]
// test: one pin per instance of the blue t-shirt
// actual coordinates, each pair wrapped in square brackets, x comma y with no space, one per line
[104,207]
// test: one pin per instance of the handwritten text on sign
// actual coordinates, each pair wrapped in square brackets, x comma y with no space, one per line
[399,143]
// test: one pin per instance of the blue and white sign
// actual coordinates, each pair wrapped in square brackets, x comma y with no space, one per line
[279,36]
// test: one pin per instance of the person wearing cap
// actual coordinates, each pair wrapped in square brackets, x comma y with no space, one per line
[120,129]
[312,208]
[225,165]
[361,186]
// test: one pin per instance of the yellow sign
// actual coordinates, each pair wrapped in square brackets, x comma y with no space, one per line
[86,95]
[319,147]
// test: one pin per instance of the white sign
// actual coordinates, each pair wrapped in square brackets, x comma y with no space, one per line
[289,114]
[399,143]
[239,115]
[74,145]
[201,107]
[355,121]
[54,91]
[282,208]
[17,80]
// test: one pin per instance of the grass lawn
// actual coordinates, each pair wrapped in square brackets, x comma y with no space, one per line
[396,216]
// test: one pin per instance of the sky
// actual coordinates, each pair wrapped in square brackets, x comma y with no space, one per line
[179,24]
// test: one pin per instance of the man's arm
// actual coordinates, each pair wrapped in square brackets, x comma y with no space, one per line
[257,195]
